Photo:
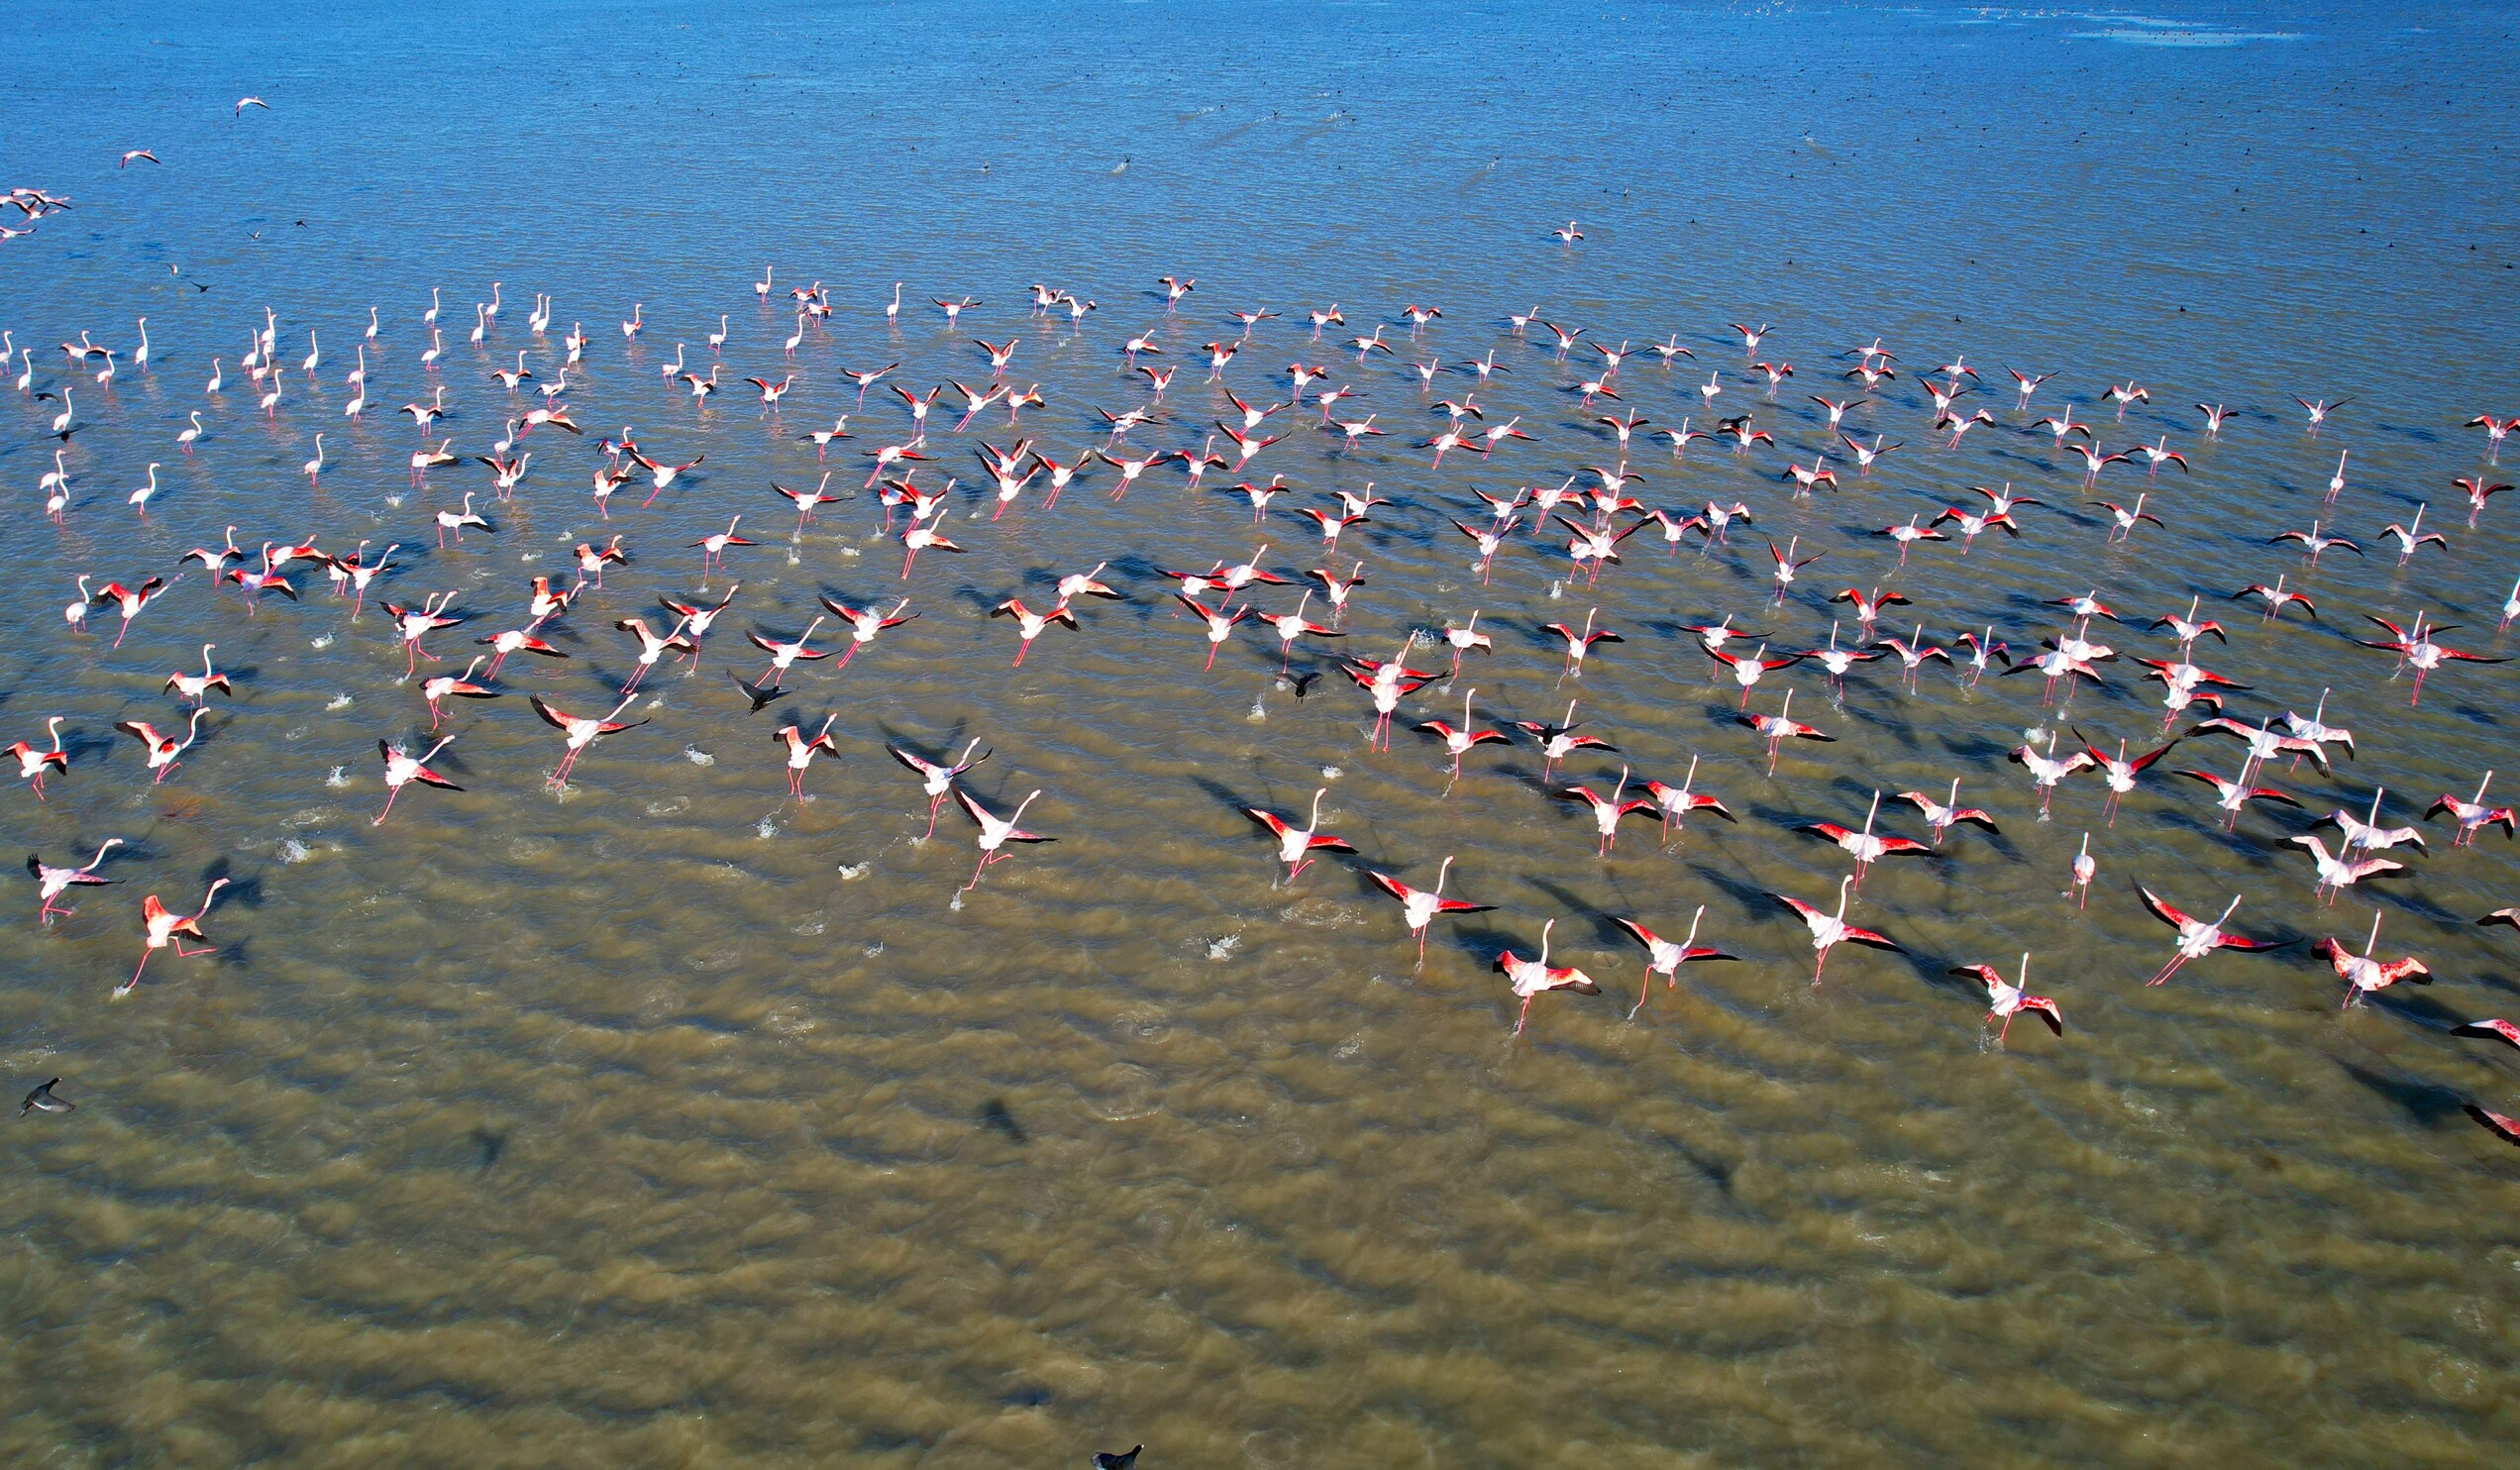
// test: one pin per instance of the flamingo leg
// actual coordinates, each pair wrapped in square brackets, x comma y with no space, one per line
[1523,1016]
[388,812]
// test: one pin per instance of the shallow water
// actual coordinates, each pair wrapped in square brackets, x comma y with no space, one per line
[672,1122]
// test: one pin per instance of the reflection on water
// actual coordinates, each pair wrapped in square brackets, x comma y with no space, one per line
[675,1120]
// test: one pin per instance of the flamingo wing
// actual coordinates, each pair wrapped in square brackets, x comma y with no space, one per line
[2161,911]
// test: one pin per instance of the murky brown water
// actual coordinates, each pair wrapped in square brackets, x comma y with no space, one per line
[674,1122]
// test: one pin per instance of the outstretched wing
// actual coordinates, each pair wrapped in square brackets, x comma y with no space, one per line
[2161,911]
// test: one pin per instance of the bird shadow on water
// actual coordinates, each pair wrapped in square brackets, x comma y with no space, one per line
[997,1119]
[1752,900]
[1604,932]
[2425,1101]
[941,751]
[487,1147]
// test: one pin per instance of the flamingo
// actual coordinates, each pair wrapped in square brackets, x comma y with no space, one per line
[712,548]
[195,686]
[2363,974]
[458,685]
[938,779]
[1532,978]
[784,654]
[1863,846]
[653,648]
[1461,741]
[1664,957]
[162,927]
[580,733]
[1296,844]
[165,753]
[1421,906]
[802,751]
[2197,939]
[1828,931]
[2009,998]
[2473,814]
[401,769]
[1778,728]
[1941,816]
[2342,871]
[995,833]
[1607,811]
[33,760]
[1032,624]
[53,882]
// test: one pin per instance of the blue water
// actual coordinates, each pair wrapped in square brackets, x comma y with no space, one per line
[672,1123]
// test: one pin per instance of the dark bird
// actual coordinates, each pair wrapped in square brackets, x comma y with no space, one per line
[760,693]
[43,1101]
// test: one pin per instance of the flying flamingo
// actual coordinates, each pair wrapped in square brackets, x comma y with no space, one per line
[1295,845]
[53,882]
[33,760]
[1941,816]
[2363,974]
[1865,848]
[802,751]
[580,733]
[1460,742]
[1828,931]
[938,781]
[165,753]
[2473,814]
[2197,939]
[713,548]
[458,685]
[1421,906]
[995,833]
[1607,811]
[2009,998]
[1678,801]
[401,769]
[1530,978]
[1780,727]
[1664,957]
[1032,624]
[653,648]
[162,927]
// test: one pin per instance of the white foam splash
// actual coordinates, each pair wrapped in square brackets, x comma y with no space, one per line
[324,642]
[1259,713]
[1331,772]
[294,851]
[851,874]
[339,776]
[698,756]
[1223,949]
[340,701]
